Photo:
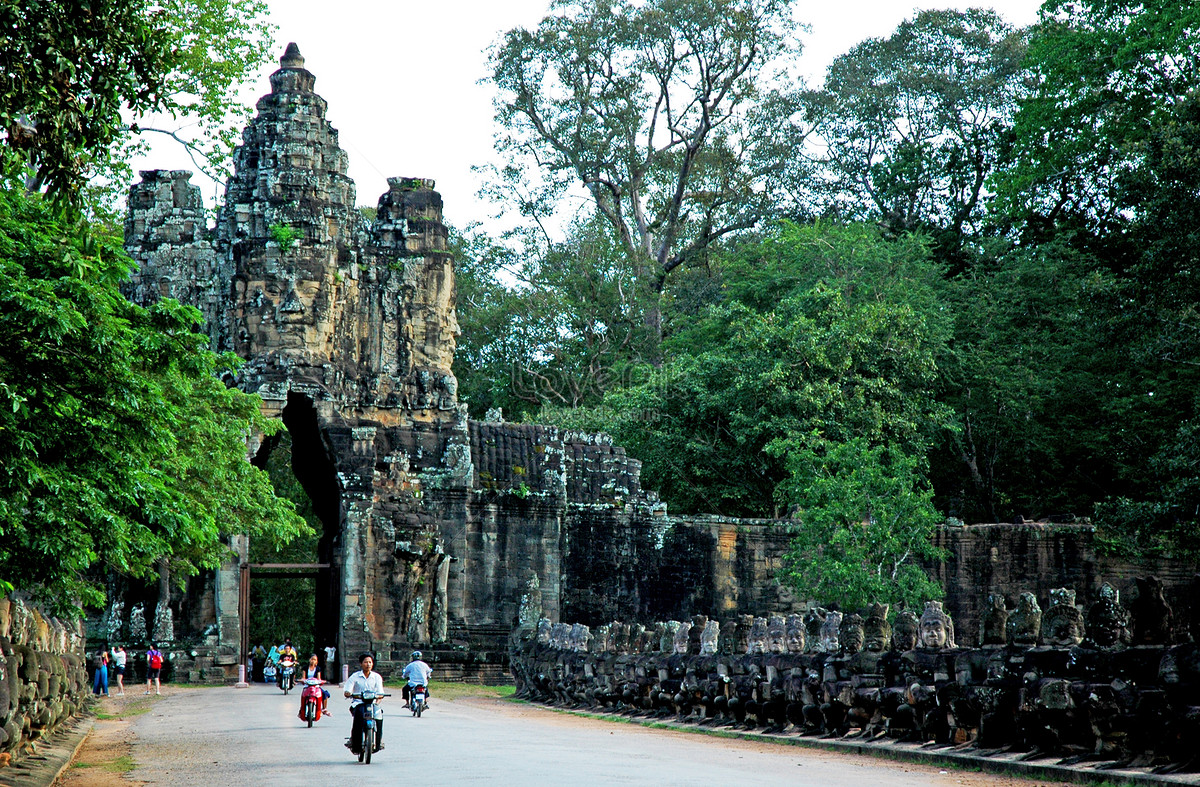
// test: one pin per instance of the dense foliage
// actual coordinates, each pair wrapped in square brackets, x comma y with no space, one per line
[995,316]
[80,81]
[119,444]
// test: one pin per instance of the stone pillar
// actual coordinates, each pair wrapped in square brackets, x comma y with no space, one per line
[228,589]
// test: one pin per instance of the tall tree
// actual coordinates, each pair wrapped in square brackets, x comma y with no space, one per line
[549,324]
[119,445]
[661,111]
[77,78]
[823,330]
[1105,71]
[913,124]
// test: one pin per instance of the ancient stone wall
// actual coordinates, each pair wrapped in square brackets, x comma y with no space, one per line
[43,675]
[1107,687]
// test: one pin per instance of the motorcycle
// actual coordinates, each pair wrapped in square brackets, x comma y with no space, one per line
[372,719]
[312,696]
[287,678]
[416,700]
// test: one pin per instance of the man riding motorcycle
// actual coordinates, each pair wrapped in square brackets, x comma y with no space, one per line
[363,680]
[418,673]
[286,651]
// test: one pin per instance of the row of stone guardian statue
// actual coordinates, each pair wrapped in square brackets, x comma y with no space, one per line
[1107,687]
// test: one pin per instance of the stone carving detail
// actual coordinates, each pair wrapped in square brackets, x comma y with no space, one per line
[1062,623]
[1056,700]
[1107,623]
[709,638]
[1024,625]
[993,628]
[137,624]
[531,603]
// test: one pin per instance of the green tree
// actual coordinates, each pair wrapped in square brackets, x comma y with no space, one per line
[823,328]
[119,445]
[79,79]
[865,523]
[659,110]
[1106,71]
[914,124]
[550,324]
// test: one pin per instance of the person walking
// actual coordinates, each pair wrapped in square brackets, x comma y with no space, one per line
[100,682]
[154,663]
[119,660]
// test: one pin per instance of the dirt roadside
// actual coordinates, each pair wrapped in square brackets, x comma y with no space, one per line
[106,756]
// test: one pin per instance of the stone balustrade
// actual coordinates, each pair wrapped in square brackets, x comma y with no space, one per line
[1103,686]
[43,675]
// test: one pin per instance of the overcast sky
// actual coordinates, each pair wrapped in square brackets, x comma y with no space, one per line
[401,79]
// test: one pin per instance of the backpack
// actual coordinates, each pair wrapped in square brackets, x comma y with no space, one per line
[155,660]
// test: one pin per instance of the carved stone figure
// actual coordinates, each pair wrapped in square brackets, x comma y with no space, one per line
[1107,623]
[680,644]
[1024,624]
[827,640]
[850,634]
[543,631]
[814,619]
[757,644]
[1062,623]
[993,628]
[877,632]
[937,631]
[906,631]
[729,638]
[776,635]
[710,638]
[795,634]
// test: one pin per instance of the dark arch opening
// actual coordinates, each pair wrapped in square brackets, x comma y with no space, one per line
[315,472]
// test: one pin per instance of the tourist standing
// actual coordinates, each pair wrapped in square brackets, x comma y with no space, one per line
[154,663]
[100,682]
[331,664]
[119,659]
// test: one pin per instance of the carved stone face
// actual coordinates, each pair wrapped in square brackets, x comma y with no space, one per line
[994,620]
[877,632]
[935,626]
[795,634]
[905,630]
[543,631]
[1106,621]
[757,644]
[1062,624]
[850,634]
[776,635]
[1025,623]
[729,638]
[828,641]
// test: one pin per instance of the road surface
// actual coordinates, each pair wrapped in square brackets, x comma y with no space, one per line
[212,736]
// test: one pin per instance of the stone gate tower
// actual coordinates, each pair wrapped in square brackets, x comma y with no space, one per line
[433,525]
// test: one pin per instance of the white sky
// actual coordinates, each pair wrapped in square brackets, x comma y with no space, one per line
[401,79]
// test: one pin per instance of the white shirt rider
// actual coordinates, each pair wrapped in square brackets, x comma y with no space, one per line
[418,673]
[358,683]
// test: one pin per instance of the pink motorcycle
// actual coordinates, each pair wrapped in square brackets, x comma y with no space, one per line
[312,698]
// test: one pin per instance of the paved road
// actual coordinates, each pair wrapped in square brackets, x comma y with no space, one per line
[224,735]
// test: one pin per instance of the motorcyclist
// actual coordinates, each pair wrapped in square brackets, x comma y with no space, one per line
[313,670]
[363,680]
[418,674]
[286,650]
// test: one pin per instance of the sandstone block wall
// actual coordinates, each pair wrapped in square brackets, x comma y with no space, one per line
[43,675]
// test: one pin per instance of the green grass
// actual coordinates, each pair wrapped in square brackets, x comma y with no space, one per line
[457,691]
[122,764]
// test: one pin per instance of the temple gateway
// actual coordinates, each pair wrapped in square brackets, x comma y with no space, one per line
[437,530]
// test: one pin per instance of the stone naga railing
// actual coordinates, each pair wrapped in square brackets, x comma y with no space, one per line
[1051,683]
[43,675]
